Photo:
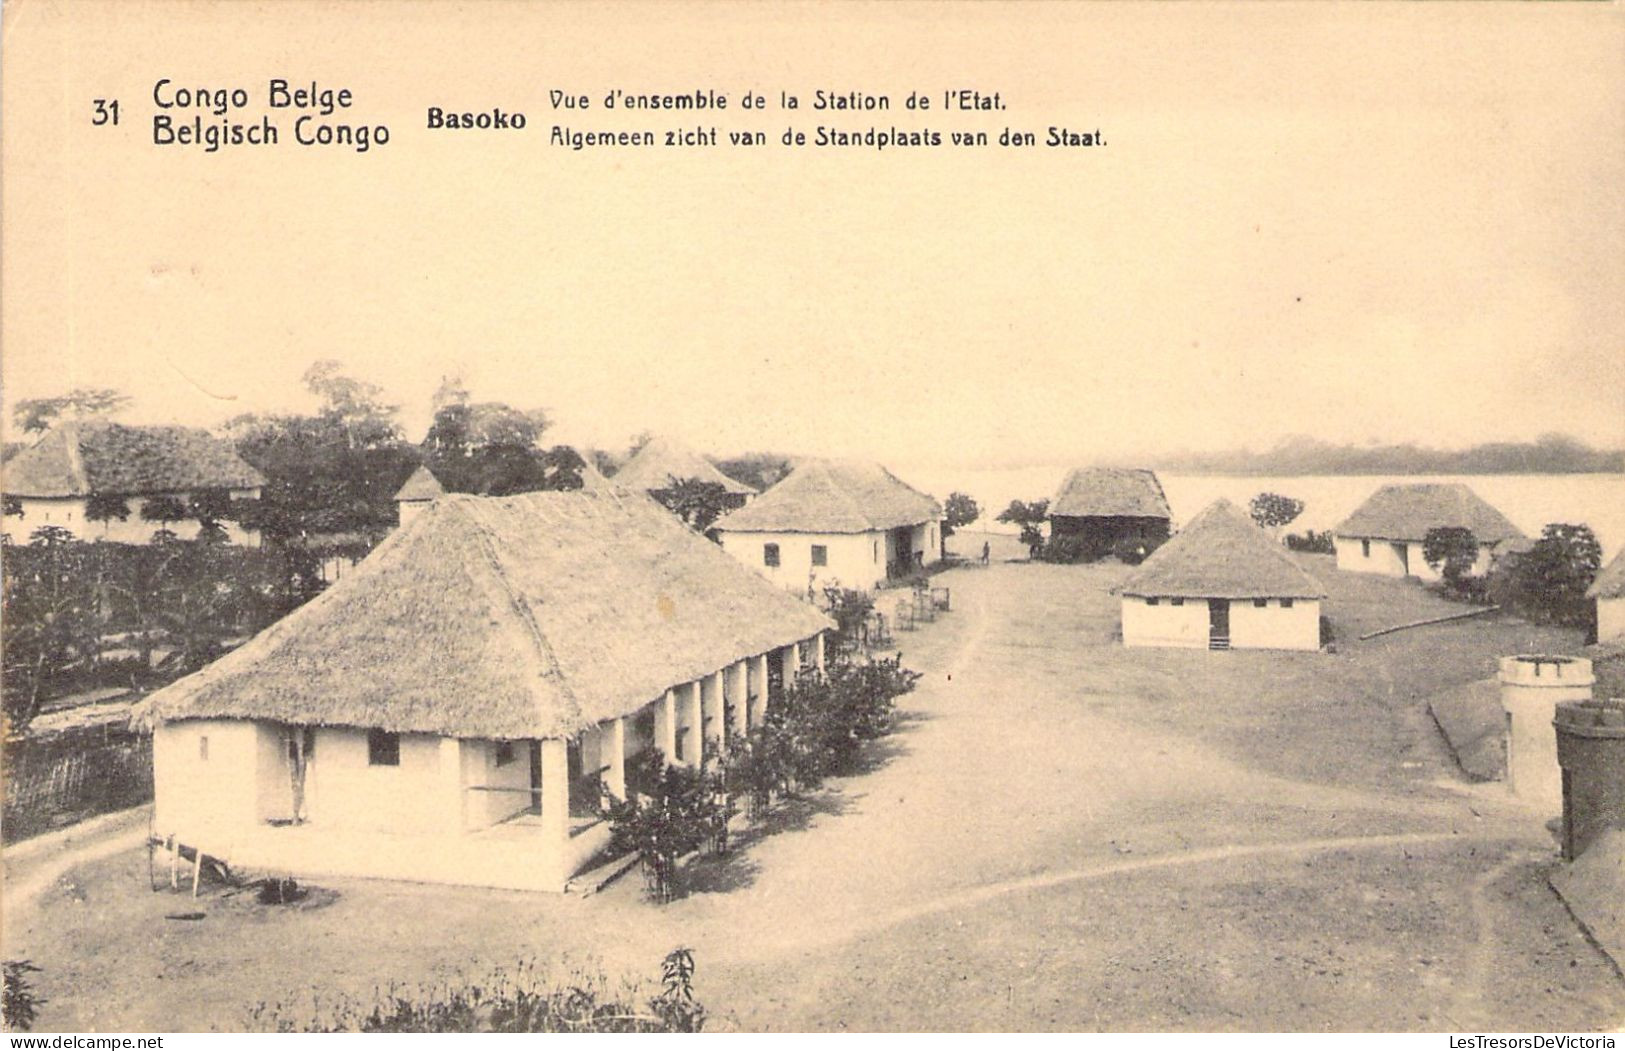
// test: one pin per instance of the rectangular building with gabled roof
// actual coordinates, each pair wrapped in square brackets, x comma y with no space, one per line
[449,710]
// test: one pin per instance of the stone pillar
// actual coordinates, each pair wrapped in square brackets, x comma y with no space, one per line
[691,719]
[1531,687]
[736,697]
[666,727]
[555,830]
[613,736]
[715,719]
[756,689]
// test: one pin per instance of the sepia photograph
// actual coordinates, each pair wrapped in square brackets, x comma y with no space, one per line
[813,517]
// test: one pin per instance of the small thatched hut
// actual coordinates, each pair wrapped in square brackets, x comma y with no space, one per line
[663,461]
[1608,591]
[420,489]
[1222,583]
[449,710]
[1102,506]
[1385,534]
[835,522]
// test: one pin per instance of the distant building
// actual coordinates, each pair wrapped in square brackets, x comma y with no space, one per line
[1222,583]
[1385,534]
[835,522]
[663,461]
[54,479]
[1608,591]
[1102,506]
[450,709]
[420,489]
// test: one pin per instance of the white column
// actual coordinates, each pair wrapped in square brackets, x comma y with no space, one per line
[691,719]
[792,663]
[818,651]
[666,727]
[714,719]
[555,830]
[613,736]
[756,689]
[735,695]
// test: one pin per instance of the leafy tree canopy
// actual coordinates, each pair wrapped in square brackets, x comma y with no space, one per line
[39,414]
[1273,511]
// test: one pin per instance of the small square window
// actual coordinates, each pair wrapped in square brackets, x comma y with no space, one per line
[1365,549]
[1177,601]
[1150,602]
[383,748]
[505,753]
[203,749]
[1286,603]
[1261,602]
[820,555]
[770,554]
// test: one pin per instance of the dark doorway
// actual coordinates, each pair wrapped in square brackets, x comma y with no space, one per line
[1218,623]
[903,548]
[1404,553]
[775,676]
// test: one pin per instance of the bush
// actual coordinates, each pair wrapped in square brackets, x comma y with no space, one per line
[18,1002]
[848,607]
[1311,542]
[524,1001]
[680,810]
[1548,582]
[1071,548]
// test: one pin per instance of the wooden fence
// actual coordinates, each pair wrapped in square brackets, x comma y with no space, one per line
[58,778]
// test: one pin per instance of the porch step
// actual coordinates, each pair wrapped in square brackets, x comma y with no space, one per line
[1218,643]
[596,879]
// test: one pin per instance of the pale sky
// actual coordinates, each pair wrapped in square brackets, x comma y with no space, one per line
[1393,223]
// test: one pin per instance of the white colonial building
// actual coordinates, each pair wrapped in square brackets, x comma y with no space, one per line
[451,709]
[1385,534]
[830,522]
[1222,583]
[123,469]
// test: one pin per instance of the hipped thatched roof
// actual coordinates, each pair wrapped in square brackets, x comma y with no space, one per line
[421,484]
[1222,553]
[97,456]
[507,617]
[1610,583]
[1407,512]
[1110,492]
[833,496]
[664,460]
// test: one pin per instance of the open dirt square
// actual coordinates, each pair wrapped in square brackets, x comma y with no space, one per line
[1062,834]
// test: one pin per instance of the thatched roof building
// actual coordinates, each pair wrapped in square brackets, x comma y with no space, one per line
[1222,554]
[665,460]
[1610,583]
[1407,512]
[834,496]
[421,484]
[1110,492]
[530,616]
[77,459]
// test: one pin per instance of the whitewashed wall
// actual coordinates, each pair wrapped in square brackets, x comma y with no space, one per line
[69,513]
[1275,627]
[479,767]
[1165,624]
[1385,558]
[856,560]
[1611,620]
[209,799]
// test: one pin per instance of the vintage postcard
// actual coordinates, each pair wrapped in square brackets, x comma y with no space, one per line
[813,517]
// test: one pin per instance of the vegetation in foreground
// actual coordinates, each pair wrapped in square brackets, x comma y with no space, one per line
[523,1000]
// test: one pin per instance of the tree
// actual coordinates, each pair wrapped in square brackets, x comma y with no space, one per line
[492,449]
[354,405]
[959,511]
[1549,581]
[1274,512]
[1453,551]
[1030,517]
[105,507]
[39,414]
[49,611]
[164,509]
[678,810]
[697,502]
